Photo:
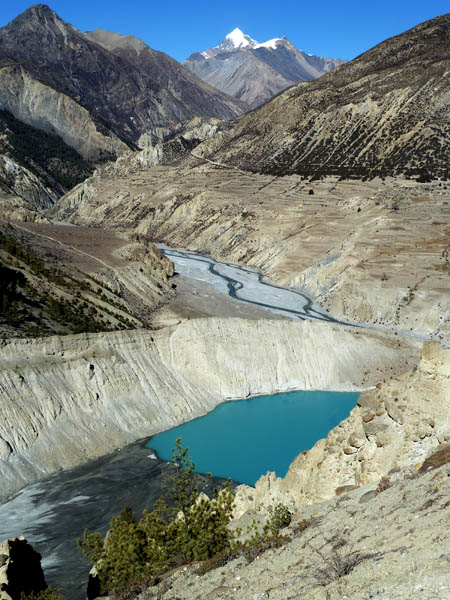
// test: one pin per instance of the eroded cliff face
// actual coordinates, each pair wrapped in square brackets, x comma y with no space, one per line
[41,106]
[22,194]
[67,399]
[394,427]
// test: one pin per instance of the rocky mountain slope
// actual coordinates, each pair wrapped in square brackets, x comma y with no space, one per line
[254,72]
[55,280]
[383,113]
[99,100]
[127,385]
[35,166]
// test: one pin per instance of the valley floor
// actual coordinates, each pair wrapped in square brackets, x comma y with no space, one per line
[372,252]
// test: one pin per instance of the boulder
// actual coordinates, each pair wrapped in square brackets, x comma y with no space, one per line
[20,569]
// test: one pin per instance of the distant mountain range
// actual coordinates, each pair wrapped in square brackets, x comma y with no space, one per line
[253,72]
[384,113]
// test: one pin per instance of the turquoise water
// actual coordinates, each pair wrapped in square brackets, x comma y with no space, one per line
[244,439]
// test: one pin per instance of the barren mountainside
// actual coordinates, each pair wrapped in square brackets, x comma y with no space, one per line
[385,112]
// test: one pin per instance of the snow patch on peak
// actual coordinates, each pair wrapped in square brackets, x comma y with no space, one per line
[269,44]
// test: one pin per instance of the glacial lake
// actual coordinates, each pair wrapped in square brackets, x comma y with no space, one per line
[243,439]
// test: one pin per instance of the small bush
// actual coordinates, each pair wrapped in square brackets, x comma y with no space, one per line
[182,527]
[279,518]
[338,563]
[384,484]
[253,548]
[47,594]
[300,526]
[218,560]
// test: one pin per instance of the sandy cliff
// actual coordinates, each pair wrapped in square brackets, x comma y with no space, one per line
[41,106]
[65,400]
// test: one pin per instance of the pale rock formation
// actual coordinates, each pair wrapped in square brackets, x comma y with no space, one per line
[20,569]
[161,146]
[19,181]
[17,209]
[41,106]
[394,426]
[64,400]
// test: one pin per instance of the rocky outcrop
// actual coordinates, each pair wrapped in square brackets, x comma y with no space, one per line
[381,114]
[394,427]
[67,399]
[20,570]
[23,195]
[160,147]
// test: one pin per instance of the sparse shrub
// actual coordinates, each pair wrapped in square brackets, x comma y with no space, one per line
[279,518]
[395,206]
[218,560]
[47,594]
[383,484]
[338,563]
[182,527]
[300,526]
[254,547]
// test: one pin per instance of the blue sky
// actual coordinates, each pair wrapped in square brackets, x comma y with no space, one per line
[337,29]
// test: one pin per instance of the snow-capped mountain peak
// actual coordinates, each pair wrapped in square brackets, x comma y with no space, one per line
[235,40]
[255,71]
